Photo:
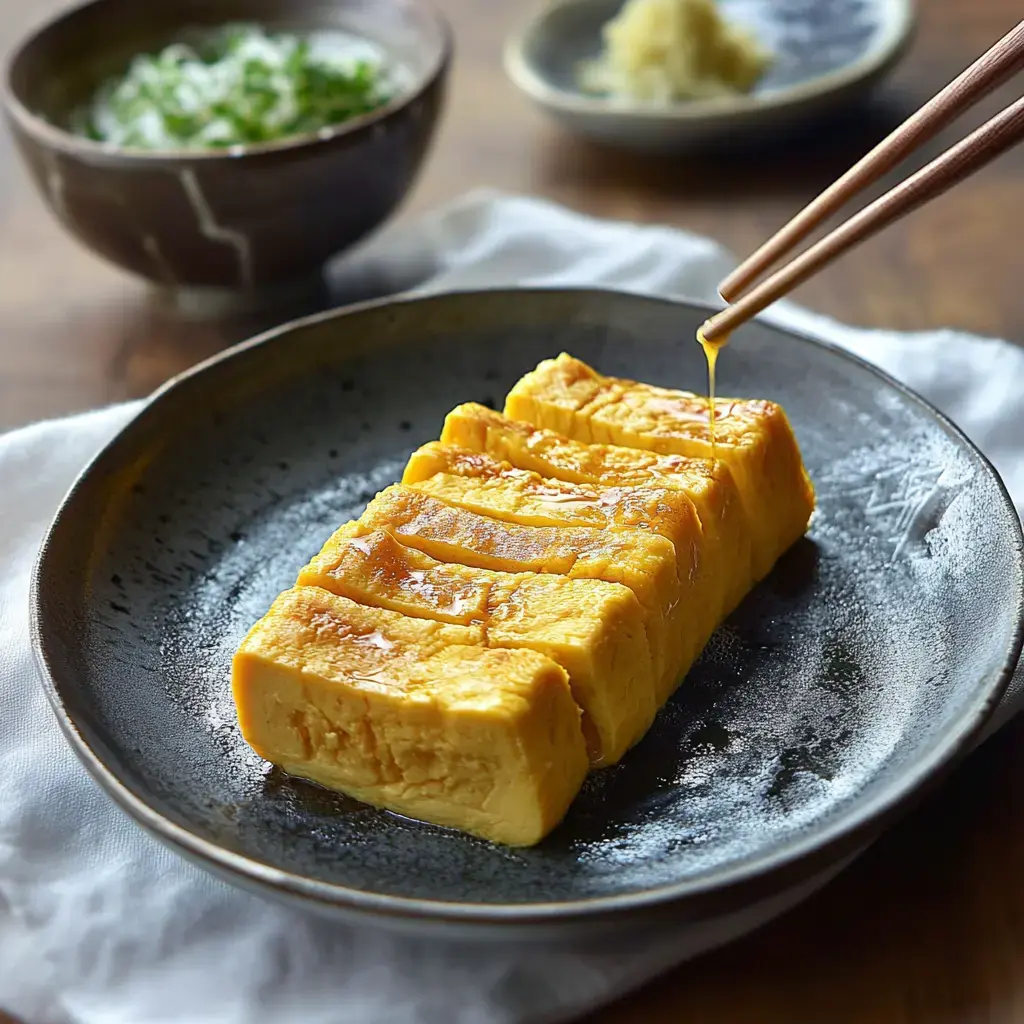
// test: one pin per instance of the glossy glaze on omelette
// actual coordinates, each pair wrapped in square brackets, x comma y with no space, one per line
[515,611]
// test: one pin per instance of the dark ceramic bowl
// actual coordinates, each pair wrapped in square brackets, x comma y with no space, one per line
[238,219]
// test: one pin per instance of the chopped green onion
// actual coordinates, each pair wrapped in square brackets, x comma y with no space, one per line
[240,86]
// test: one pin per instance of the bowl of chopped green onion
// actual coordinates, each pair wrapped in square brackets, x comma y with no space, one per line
[231,144]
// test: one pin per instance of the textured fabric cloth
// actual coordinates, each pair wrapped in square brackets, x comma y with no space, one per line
[99,924]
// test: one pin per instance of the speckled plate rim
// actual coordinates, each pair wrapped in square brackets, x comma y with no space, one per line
[68,142]
[850,828]
[896,37]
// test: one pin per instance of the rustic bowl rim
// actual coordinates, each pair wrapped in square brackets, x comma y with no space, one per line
[48,134]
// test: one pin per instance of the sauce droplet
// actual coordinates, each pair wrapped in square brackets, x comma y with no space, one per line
[711,350]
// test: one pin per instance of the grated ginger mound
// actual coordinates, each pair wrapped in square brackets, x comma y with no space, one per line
[665,50]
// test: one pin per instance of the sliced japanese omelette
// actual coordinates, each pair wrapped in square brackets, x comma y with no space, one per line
[480,483]
[640,560]
[411,714]
[706,482]
[593,629]
[752,437]
[525,600]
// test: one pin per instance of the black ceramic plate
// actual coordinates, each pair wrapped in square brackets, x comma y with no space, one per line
[861,668]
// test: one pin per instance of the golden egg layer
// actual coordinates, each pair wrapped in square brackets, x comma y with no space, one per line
[524,601]
[752,437]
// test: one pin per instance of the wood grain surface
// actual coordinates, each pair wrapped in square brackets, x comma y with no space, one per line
[928,927]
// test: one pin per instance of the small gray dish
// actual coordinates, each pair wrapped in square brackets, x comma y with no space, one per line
[857,673]
[825,53]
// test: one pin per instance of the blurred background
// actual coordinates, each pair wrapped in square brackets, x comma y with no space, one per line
[76,332]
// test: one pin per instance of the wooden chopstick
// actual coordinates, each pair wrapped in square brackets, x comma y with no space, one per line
[994,137]
[982,146]
[991,70]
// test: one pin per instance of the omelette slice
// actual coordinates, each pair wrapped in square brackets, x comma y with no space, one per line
[643,562]
[411,714]
[593,629]
[520,606]
[753,437]
[480,483]
[706,482]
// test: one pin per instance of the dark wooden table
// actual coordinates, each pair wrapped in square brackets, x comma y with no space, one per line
[928,927]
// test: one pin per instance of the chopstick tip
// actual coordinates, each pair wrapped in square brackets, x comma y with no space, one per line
[727,290]
[711,329]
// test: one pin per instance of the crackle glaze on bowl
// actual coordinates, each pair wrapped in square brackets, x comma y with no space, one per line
[239,219]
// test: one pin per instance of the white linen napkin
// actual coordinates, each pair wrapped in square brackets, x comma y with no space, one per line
[99,924]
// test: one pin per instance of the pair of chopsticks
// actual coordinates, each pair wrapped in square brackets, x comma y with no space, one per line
[993,138]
